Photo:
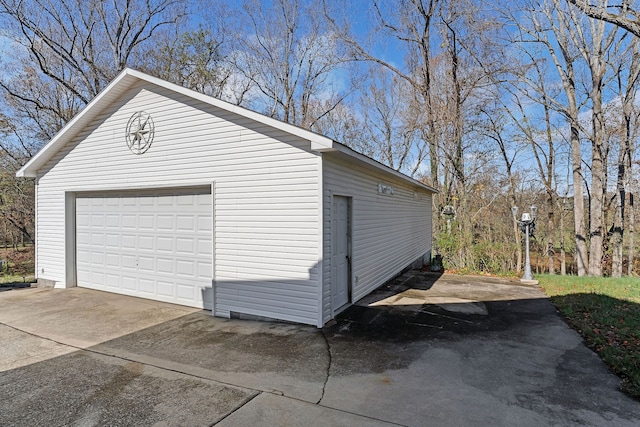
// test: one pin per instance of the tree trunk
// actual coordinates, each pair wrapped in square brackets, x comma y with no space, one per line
[598,182]
[624,169]
[632,218]
[550,229]
[617,229]
[582,258]
[563,261]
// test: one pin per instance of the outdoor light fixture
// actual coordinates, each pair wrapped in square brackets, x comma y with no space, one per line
[527,224]
[449,212]
[385,189]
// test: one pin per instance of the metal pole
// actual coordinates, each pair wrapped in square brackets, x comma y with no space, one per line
[527,265]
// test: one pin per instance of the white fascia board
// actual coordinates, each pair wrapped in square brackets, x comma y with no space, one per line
[318,142]
[371,162]
[30,169]
[126,79]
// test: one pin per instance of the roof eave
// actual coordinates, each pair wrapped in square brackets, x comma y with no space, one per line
[128,77]
[368,160]
[30,169]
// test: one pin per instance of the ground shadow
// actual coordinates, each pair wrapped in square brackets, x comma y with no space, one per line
[14,285]
[518,352]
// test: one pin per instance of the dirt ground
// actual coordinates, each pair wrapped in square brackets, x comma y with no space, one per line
[18,262]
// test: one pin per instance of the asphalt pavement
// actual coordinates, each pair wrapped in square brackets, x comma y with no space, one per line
[423,350]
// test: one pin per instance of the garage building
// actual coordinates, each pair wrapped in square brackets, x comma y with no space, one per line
[160,192]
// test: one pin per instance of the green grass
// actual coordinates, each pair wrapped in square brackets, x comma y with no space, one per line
[606,312]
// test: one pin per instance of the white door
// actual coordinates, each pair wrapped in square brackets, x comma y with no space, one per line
[156,245]
[341,256]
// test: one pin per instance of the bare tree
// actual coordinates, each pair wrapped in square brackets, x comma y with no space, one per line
[410,22]
[62,54]
[546,24]
[495,128]
[537,130]
[16,195]
[623,16]
[198,60]
[392,121]
[69,50]
[344,124]
[291,59]
[627,131]
[595,44]
[449,52]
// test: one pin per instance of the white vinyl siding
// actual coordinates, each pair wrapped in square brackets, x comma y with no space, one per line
[389,232]
[266,195]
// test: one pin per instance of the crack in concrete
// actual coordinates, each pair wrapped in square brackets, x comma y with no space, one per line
[249,399]
[326,380]
[422,310]
[256,392]
[424,325]
[127,359]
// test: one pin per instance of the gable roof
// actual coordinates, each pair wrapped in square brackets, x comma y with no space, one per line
[129,77]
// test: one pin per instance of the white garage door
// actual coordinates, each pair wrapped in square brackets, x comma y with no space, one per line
[155,245]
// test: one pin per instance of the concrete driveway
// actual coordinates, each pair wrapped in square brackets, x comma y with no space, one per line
[423,350]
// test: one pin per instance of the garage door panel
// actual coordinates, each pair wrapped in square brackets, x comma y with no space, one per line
[164,244]
[164,201]
[126,201]
[112,240]
[205,270]
[156,246]
[147,201]
[185,245]
[185,223]
[146,265]
[185,268]
[112,281]
[98,278]
[97,240]
[128,261]
[83,276]
[165,265]
[185,291]
[145,242]
[146,222]
[165,222]
[204,225]
[112,221]
[146,286]
[166,289]
[97,258]
[112,260]
[128,241]
[111,201]
[205,246]
[129,283]
[97,220]
[129,222]
[82,220]
[96,202]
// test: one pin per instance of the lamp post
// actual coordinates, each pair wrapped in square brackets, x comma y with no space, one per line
[527,224]
[449,212]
